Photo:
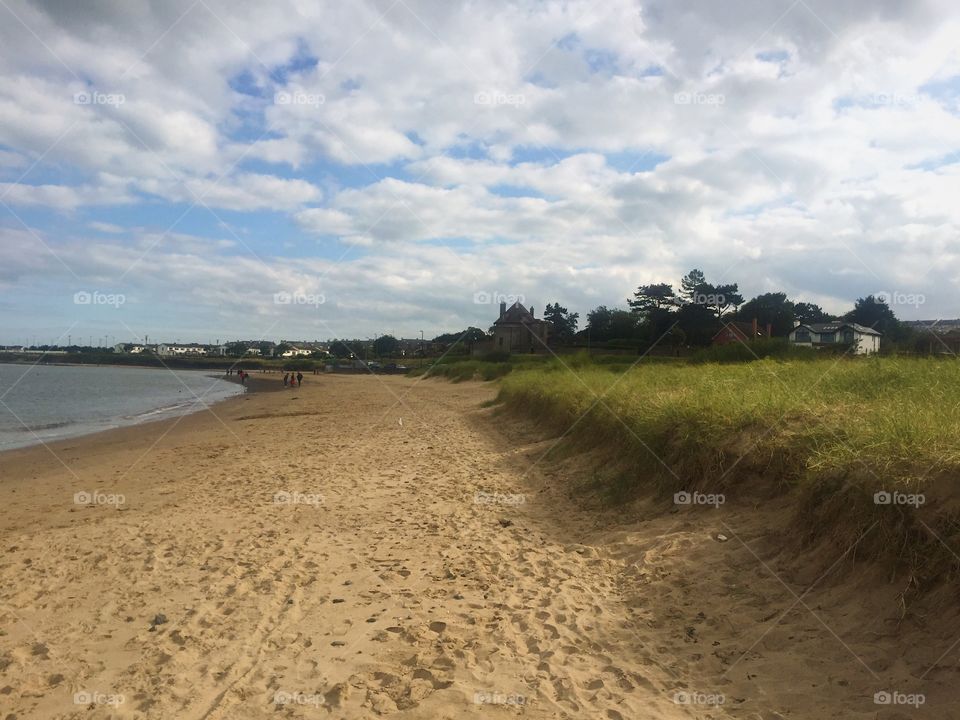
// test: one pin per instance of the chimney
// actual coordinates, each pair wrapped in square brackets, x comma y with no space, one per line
[769,330]
[532,313]
[503,309]
[796,323]
[753,329]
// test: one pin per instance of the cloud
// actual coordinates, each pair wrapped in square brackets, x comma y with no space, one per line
[408,153]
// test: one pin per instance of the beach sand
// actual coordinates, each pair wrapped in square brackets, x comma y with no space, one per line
[321,552]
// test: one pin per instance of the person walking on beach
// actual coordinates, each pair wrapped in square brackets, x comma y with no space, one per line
[299,379]
[285,376]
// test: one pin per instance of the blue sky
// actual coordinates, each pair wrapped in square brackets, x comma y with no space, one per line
[390,166]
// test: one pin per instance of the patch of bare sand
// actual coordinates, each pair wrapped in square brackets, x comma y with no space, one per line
[322,553]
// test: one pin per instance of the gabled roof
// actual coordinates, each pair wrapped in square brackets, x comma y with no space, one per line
[837,325]
[517,313]
[744,329]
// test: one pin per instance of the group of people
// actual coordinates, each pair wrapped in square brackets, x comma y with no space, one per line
[291,380]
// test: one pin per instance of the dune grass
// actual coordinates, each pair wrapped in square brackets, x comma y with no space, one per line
[895,422]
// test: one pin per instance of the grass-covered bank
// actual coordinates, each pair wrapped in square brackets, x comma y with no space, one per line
[833,431]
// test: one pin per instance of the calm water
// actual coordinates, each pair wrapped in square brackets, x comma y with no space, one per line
[43,403]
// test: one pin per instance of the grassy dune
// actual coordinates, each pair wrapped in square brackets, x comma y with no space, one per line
[898,419]
[835,431]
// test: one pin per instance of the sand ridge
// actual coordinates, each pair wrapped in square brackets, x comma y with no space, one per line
[382,546]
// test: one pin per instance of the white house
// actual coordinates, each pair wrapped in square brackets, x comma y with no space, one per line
[818,335]
[167,350]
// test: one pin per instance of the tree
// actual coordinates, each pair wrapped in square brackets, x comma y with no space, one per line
[340,349]
[874,313]
[236,349]
[808,313]
[469,336]
[658,296]
[386,345]
[698,323]
[772,309]
[723,297]
[692,284]
[606,324]
[563,321]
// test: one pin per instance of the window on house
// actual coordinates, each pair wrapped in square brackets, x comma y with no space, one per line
[803,336]
[828,337]
[847,336]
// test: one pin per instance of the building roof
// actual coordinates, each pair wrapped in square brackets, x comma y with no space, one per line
[745,329]
[836,325]
[517,313]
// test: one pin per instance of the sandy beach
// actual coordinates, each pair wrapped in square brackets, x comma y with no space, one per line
[371,546]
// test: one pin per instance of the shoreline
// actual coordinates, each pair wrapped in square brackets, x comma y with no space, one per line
[254,386]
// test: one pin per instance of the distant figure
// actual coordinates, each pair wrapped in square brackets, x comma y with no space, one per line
[299,379]
[285,378]
[243,377]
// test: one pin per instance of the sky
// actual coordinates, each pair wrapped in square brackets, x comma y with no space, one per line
[202,170]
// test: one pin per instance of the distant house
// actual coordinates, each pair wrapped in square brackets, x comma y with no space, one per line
[740,332]
[831,334]
[168,350]
[518,331]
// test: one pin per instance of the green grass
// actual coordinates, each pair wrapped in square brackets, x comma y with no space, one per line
[897,420]
[826,433]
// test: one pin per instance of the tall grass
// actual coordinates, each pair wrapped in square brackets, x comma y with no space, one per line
[891,421]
